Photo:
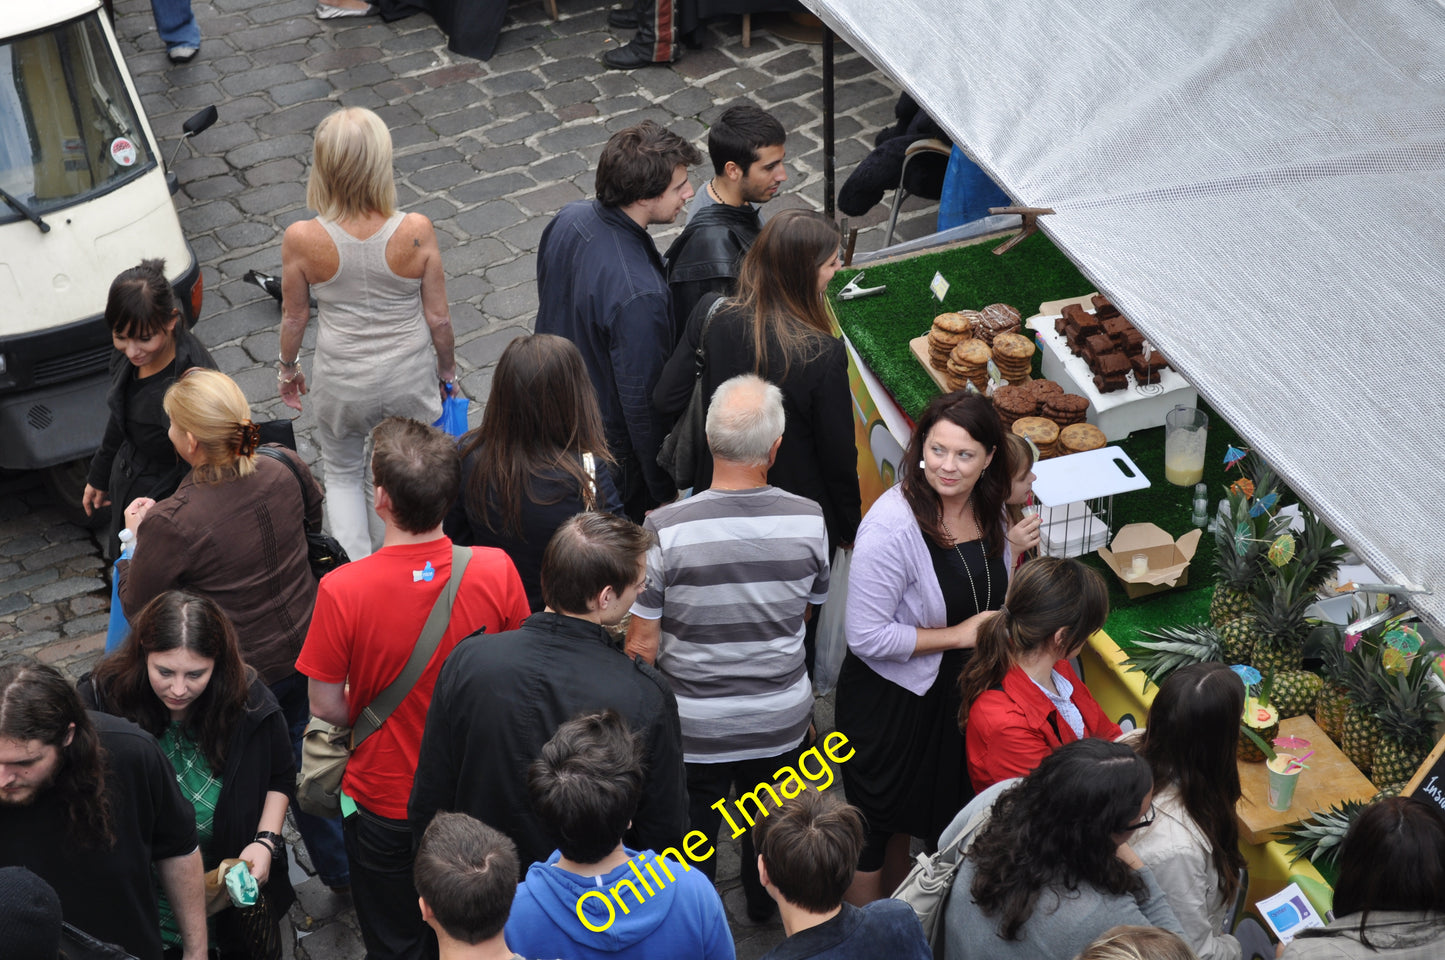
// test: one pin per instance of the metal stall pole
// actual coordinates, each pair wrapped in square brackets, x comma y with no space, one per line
[829,158]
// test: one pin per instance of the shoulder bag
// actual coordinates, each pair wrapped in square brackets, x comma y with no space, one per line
[326,747]
[323,551]
[928,884]
[678,453]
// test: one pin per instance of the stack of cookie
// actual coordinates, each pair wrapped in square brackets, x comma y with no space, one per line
[1015,401]
[949,330]
[1065,408]
[1078,437]
[1042,431]
[997,318]
[969,364]
[1013,354]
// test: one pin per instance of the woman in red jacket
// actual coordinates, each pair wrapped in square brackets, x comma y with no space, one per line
[1021,698]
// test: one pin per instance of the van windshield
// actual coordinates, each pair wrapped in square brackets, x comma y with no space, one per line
[68,128]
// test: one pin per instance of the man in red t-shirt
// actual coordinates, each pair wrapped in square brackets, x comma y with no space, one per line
[369,615]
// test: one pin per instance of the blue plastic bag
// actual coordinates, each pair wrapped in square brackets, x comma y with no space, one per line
[118,628]
[454,412]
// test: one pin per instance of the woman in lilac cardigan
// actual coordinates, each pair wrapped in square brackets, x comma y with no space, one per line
[929,564]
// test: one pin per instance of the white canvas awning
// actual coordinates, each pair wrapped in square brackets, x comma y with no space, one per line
[1260,186]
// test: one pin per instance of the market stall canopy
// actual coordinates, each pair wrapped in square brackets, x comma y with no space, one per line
[1260,186]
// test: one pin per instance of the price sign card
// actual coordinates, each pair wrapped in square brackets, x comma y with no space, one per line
[1288,912]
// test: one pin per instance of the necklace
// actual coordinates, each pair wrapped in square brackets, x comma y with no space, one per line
[987,575]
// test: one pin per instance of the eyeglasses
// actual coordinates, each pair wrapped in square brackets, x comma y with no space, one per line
[1142,823]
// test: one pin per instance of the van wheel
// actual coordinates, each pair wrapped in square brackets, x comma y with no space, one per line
[67,484]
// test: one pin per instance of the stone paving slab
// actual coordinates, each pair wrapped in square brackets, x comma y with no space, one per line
[489,151]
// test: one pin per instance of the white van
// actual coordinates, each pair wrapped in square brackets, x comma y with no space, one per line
[83,196]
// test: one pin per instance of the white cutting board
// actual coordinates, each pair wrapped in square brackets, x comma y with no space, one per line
[1085,476]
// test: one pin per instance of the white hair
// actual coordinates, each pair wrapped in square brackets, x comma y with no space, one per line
[744,419]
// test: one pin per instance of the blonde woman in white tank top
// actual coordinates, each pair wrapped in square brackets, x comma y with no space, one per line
[384,347]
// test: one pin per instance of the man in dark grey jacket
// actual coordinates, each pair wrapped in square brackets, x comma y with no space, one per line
[600,284]
[501,697]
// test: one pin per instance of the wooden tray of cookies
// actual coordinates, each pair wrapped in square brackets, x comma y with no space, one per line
[918,346]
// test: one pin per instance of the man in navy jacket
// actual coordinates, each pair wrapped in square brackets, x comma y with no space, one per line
[600,284]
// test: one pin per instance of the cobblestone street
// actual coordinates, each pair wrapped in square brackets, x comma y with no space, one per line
[489,151]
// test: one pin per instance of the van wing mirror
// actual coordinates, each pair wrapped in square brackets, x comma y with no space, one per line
[201,121]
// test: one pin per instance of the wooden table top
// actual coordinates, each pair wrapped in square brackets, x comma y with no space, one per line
[1330,779]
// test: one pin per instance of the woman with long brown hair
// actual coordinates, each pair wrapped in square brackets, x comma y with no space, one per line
[179,677]
[1193,844]
[1020,698]
[539,457]
[778,327]
[930,565]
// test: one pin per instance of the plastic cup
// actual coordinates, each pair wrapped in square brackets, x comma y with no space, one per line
[1282,784]
[1139,565]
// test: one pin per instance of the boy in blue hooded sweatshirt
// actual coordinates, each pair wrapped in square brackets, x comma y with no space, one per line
[595,899]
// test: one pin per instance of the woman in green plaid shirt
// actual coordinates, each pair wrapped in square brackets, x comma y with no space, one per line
[180,677]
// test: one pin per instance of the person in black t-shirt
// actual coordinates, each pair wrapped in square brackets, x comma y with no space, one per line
[89,802]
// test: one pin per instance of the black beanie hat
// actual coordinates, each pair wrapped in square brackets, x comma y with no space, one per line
[29,916]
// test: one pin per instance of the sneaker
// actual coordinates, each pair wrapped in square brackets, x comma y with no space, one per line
[182,54]
[325,11]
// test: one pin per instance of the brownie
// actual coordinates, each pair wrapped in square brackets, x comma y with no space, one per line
[1115,327]
[1113,364]
[1145,371]
[1097,346]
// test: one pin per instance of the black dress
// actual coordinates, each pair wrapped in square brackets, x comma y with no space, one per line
[914,778]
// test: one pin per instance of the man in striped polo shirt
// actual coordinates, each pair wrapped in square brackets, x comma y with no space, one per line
[730,586]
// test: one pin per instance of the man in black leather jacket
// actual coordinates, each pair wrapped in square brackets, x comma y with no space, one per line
[746,147]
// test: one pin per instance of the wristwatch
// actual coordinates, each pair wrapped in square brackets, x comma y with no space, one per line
[267,838]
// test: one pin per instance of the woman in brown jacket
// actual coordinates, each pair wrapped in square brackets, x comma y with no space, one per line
[235,531]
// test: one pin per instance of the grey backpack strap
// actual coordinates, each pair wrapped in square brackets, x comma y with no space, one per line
[389,699]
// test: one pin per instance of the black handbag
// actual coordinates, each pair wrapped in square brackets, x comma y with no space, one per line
[679,450]
[323,551]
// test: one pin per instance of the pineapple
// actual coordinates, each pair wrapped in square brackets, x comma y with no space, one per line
[1408,713]
[1262,717]
[1333,701]
[1296,692]
[1237,637]
[1283,628]
[1357,737]
[1361,730]
[1319,837]
[1161,652]
[1317,549]
[1239,559]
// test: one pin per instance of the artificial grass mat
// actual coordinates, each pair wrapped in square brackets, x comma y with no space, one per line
[1034,272]
[880,327]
